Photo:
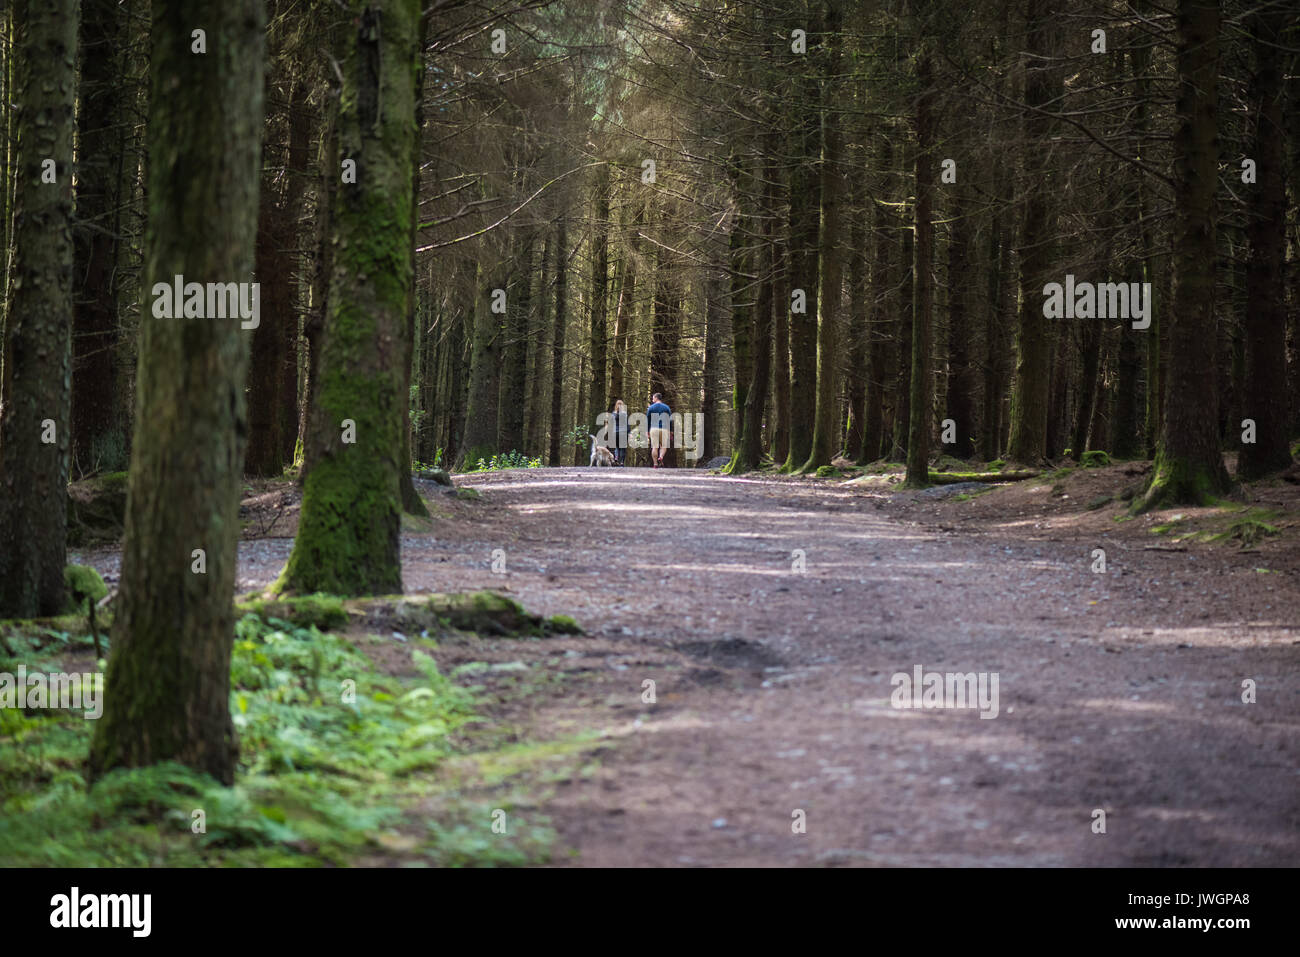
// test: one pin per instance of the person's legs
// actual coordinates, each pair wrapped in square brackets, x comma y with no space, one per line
[658,444]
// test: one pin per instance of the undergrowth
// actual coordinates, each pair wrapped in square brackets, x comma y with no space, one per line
[338,762]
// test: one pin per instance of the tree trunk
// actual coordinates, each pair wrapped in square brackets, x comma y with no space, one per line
[348,539]
[922,389]
[1265,387]
[514,372]
[751,449]
[412,504]
[714,313]
[299,117]
[557,341]
[597,399]
[100,145]
[1124,438]
[903,337]
[1030,391]
[618,351]
[275,275]
[1189,465]
[961,370]
[859,329]
[323,262]
[1090,357]
[825,436]
[665,331]
[538,378]
[742,324]
[805,268]
[883,277]
[480,440]
[168,686]
[35,434]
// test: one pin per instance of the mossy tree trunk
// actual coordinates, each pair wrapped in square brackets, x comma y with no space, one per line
[35,433]
[168,687]
[1189,463]
[348,540]
[1265,380]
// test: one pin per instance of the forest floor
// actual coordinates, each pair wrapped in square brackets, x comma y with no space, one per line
[1119,691]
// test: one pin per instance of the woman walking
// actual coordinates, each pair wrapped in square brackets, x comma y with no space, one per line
[618,421]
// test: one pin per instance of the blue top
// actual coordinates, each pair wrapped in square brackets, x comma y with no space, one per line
[657,416]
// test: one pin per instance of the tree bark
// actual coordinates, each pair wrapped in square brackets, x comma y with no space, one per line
[168,685]
[1265,386]
[1030,390]
[922,389]
[961,370]
[1189,464]
[597,399]
[805,266]
[557,341]
[35,434]
[100,146]
[825,435]
[514,371]
[348,540]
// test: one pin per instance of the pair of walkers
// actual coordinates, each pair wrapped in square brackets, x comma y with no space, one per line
[659,423]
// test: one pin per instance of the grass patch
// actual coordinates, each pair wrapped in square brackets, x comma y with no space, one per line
[339,763]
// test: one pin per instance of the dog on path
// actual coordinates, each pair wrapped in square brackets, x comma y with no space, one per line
[600,455]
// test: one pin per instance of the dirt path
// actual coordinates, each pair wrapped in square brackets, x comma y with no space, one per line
[1120,692]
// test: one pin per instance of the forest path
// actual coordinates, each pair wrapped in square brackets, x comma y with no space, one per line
[1119,691]
[1109,698]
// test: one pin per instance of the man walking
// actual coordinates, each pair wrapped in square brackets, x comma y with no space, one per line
[659,422]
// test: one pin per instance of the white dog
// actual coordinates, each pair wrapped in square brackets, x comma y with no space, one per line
[599,454]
